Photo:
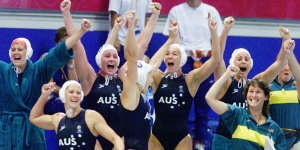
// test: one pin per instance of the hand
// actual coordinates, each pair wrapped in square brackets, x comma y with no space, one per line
[85,25]
[232,70]
[173,30]
[119,22]
[48,88]
[284,33]
[155,8]
[212,24]
[289,45]
[131,19]
[228,22]
[65,5]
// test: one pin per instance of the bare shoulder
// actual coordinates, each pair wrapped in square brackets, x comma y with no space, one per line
[56,118]
[91,114]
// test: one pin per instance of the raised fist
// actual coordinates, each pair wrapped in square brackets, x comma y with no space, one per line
[65,5]
[173,29]
[48,88]
[232,70]
[289,45]
[85,25]
[119,22]
[284,33]
[212,24]
[155,7]
[131,19]
[229,22]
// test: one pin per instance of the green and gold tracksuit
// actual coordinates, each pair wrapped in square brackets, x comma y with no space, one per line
[285,109]
[247,134]
[18,94]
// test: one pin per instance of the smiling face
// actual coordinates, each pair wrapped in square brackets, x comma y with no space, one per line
[18,54]
[109,62]
[243,61]
[172,59]
[73,96]
[285,74]
[256,97]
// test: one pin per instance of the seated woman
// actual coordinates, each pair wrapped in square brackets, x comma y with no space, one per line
[250,128]
[77,128]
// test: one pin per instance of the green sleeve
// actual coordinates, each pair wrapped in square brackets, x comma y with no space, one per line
[231,117]
[55,59]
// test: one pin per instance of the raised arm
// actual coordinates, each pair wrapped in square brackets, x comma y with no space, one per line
[213,93]
[221,68]
[196,76]
[101,127]
[158,57]
[129,98]
[295,69]
[146,35]
[37,116]
[282,59]
[85,71]
[113,34]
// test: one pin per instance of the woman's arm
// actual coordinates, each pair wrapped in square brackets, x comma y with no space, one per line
[84,70]
[282,58]
[101,127]
[37,116]
[146,35]
[213,93]
[295,69]
[221,68]
[129,98]
[196,76]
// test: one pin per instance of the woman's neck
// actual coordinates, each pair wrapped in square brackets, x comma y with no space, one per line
[257,115]
[75,112]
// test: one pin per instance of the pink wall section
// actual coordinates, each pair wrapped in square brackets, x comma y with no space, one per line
[283,9]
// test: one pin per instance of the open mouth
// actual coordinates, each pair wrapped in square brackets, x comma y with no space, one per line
[170,64]
[110,66]
[286,73]
[243,69]
[17,58]
[74,100]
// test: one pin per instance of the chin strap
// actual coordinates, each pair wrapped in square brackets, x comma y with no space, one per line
[17,70]
[107,79]
[242,83]
[69,112]
[172,75]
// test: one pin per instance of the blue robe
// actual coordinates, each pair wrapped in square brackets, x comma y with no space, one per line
[17,100]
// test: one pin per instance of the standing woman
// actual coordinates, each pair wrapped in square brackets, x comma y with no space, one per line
[173,94]
[102,90]
[76,129]
[250,128]
[21,82]
[232,90]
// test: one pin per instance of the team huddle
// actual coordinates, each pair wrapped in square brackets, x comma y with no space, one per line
[110,109]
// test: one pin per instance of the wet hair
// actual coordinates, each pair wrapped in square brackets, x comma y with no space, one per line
[60,34]
[265,88]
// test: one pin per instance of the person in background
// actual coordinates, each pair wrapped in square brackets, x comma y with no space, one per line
[284,100]
[118,8]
